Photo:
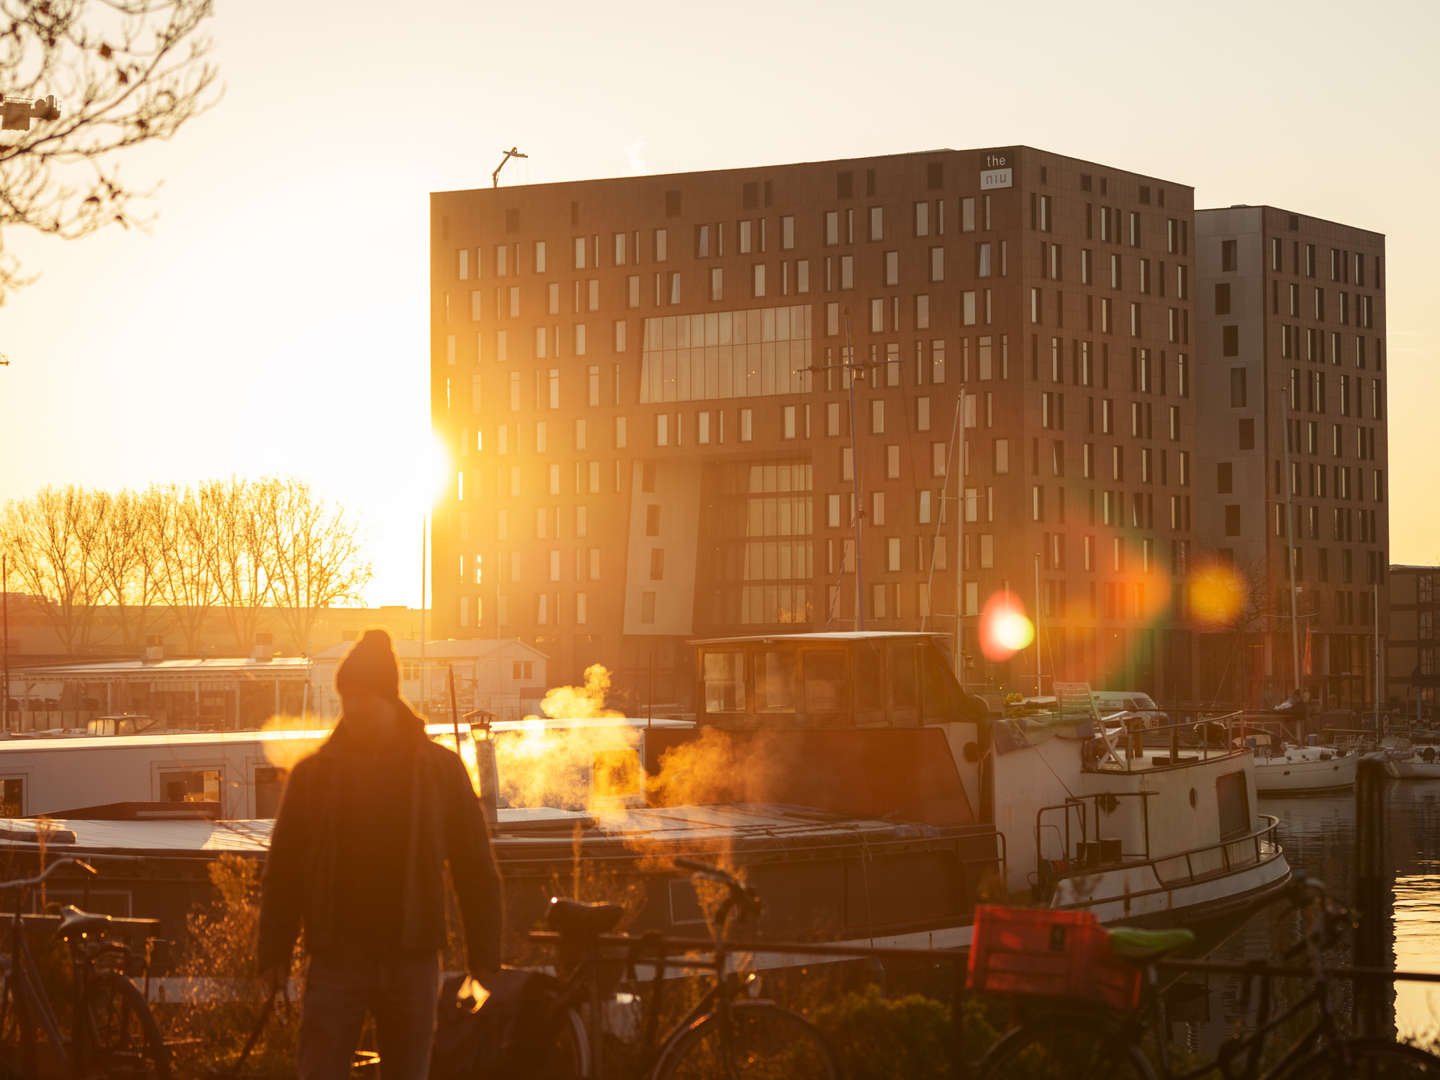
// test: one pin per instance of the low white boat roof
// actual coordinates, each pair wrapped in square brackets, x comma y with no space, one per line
[836,636]
[162,736]
[680,824]
[281,666]
[588,722]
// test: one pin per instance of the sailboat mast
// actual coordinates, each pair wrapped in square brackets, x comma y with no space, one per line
[858,512]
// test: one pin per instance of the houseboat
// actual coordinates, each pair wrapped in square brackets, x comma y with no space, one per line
[866,795]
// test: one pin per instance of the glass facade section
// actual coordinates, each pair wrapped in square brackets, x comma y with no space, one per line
[726,354]
[761,521]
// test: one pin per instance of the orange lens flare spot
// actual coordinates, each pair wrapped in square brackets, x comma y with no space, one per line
[1005,629]
[1217,594]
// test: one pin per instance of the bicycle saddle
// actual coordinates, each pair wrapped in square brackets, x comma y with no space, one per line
[585,920]
[74,922]
[1130,943]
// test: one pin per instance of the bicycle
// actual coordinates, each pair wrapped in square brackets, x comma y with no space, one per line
[112,1031]
[1076,1040]
[729,1033]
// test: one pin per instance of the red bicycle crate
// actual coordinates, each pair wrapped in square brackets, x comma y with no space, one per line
[1034,951]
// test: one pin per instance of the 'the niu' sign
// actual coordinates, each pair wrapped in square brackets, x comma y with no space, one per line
[995,172]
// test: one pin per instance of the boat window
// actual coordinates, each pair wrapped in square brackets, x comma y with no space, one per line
[827,684]
[904,685]
[937,683]
[12,797]
[269,786]
[1234,803]
[869,683]
[775,681]
[724,675]
[190,785]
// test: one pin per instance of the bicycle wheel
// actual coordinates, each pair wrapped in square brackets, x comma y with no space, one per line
[1064,1048]
[766,1043]
[1366,1059]
[125,1042]
[567,1057]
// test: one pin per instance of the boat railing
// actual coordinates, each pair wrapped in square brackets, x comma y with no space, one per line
[1078,813]
[1257,846]
[1118,742]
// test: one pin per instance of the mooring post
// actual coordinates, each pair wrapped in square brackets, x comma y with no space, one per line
[1372,895]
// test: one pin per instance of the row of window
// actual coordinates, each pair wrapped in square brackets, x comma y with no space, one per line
[1345,482]
[1177,320]
[1346,525]
[1350,397]
[837,227]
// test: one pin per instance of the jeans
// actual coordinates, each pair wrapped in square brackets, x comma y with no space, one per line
[400,994]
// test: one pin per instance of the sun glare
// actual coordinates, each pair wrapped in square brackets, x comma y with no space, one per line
[1217,593]
[1005,629]
[434,471]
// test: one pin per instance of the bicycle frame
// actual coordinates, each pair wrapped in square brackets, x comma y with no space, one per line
[726,987]
[1253,1044]
[25,989]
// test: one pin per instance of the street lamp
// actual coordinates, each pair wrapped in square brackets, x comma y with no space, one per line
[432,480]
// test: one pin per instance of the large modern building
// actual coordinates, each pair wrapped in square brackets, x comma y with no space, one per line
[648,387]
[1291,317]
[1412,646]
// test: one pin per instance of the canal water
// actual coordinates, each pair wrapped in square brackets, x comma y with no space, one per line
[1319,838]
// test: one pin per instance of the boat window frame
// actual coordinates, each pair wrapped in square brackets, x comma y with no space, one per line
[844,708]
[159,770]
[742,706]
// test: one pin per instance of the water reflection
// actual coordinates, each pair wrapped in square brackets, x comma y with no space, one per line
[1319,837]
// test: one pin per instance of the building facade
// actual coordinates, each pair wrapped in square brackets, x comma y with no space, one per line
[1293,454]
[648,387]
[1412,648]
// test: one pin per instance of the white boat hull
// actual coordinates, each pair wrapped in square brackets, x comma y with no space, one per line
[1181,889]
[1308,775]
[1414,768]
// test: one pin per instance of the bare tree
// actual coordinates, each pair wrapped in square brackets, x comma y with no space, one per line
[241,559]
[53,540]
[82,80]
[315,556]
[182,531]
[127,561]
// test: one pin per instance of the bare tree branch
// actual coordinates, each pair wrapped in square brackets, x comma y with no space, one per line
[121,73]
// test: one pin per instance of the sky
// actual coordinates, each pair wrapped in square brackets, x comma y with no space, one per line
[273,317]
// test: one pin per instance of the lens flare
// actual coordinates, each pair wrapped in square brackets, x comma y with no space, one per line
[1004,627]
[1216,593]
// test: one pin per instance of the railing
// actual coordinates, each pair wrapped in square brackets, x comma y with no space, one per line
[1262,847]
[1076,804]
[1116,742]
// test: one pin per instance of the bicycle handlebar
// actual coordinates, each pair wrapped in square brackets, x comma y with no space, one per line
[28,883]
[741,895]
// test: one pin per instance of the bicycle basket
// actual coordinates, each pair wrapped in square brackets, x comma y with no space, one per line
[1058,954]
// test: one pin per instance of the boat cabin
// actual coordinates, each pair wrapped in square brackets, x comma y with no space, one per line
[830,680]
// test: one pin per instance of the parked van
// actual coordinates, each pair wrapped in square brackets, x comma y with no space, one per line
[1135,702]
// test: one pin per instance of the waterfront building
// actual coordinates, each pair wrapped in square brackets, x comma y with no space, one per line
[646,387]
[1291,321]
[1412,647]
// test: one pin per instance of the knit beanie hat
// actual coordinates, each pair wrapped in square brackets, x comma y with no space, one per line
[370,667]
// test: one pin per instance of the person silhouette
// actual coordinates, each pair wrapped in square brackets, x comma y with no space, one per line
[366,827]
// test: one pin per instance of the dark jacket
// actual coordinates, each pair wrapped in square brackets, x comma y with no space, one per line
[360,844]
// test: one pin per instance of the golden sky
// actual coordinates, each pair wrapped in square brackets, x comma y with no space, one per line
[274,319]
